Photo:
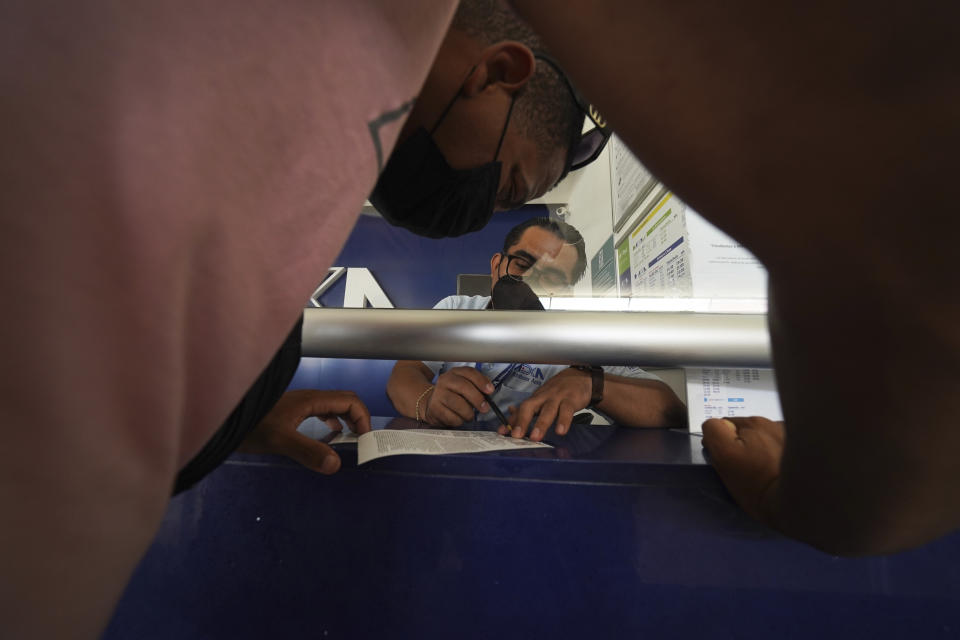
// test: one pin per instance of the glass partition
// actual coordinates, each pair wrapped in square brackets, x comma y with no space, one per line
[610,238]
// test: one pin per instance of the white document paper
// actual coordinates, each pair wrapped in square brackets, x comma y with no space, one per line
[722,393]
[391,442]
[659,255]
[721,267]
[630,181]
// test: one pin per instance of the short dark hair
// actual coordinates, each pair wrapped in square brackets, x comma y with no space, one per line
[566,232]
[547,111]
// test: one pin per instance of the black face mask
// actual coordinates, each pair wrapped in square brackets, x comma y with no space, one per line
[516,295]
[419,190]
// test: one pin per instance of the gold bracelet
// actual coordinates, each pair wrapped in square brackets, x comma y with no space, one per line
[417,411]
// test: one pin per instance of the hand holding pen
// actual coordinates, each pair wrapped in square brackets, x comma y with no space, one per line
[457,396]
[496,410]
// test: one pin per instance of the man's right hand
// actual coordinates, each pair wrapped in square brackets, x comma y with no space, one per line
[277,432]
[456,396]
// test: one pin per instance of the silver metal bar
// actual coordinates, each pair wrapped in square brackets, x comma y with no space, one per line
[548,337]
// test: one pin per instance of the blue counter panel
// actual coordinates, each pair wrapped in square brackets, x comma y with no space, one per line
[635,537]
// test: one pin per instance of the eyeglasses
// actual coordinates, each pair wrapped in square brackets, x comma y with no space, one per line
[587,148]
[523,269]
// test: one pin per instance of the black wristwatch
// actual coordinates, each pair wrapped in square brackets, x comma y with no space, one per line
[596,377]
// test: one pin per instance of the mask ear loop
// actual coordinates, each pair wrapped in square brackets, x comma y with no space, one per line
[446,109]
[503,134]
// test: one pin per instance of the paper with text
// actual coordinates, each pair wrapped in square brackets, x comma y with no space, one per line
[659,259]
[721,266]
[721,393]
[391,442]
[630,181]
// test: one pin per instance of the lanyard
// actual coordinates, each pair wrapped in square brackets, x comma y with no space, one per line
[502,376]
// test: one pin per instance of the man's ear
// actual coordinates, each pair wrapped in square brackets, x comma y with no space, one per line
[495,261]
[508,64]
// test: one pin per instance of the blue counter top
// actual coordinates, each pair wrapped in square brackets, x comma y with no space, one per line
[632,536]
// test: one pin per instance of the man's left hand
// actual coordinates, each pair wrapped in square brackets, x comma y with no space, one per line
[277,432]
[556,401]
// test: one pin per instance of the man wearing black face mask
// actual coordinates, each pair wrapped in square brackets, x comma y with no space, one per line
[547,257]
[496,124]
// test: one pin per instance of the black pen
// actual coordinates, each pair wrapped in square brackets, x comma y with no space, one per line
[496,410]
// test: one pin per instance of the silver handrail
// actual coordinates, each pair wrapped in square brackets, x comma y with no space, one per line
[552,337]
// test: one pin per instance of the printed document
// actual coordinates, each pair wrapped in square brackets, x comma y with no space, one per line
[721,266]
[392,442]
[630,181]
[722,393]
[659,258]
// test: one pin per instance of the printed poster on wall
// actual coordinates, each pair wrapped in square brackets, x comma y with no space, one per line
[659,252]
[722,267]
[623,268]
[630,182]
[603,270]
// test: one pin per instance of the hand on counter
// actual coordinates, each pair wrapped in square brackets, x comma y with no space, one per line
[746,453]
[555,401]
[277,432]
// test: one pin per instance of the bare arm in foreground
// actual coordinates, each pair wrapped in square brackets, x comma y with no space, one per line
[823,136]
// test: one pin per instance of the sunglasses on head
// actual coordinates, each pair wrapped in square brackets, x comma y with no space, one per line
[588,146]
